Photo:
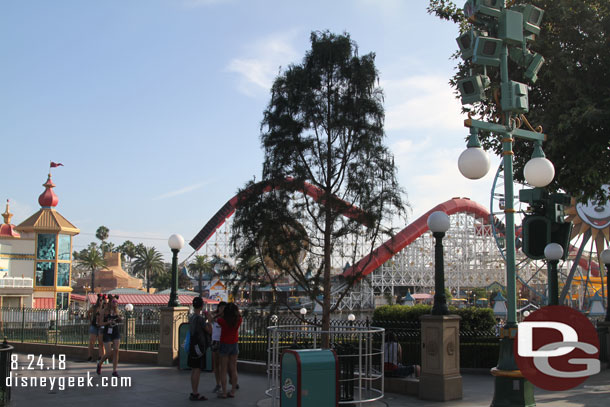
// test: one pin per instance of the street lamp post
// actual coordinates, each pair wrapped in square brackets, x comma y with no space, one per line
[438,222]
[175,242]
[553,252]
[511,389]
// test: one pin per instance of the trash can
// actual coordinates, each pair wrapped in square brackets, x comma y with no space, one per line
[183,331]
[309,378]
[6,351]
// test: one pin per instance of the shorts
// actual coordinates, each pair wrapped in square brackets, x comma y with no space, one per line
[228,349]
[94,330]
[195,362]
[215,346]
[114,336]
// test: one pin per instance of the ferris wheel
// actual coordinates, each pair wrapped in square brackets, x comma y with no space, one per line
[530,273]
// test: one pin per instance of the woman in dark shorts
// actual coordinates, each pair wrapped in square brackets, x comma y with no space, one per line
[112,335]
[93,315]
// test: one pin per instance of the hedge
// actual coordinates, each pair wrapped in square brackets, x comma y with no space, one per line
[473,318]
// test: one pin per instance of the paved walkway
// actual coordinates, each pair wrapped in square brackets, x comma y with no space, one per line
[153,386]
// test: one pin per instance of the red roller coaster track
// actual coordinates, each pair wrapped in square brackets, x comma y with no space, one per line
[381,254]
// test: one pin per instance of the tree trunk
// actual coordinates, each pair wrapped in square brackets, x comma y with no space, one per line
[147,282]
[200,285]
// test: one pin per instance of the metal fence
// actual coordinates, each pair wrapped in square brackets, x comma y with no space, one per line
[478,349]
[139,329]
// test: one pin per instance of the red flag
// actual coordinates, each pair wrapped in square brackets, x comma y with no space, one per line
[53,165]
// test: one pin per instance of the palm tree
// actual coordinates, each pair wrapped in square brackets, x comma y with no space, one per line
[102,234]
[150,261]
[91,259]
[202,266]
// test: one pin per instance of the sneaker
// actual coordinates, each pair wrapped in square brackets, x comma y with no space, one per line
[115,374]
[99,368]
[216,389]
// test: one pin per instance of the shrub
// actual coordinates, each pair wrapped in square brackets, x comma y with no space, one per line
[473,318]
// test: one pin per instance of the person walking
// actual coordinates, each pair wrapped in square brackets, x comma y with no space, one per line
[92,315]
[112,335]
[392,357]
[229,321]
[197,348]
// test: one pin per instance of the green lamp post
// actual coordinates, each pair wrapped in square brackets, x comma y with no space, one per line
[438,222]
[553,252]
[501,32]
[175,242]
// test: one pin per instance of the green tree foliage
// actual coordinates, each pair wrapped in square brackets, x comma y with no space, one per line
[323,126]
[92,260]
[570,100]
[148,261]
[102,233]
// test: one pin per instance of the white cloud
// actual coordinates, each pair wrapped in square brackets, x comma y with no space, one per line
[262,61]
[423,101]
[180,191]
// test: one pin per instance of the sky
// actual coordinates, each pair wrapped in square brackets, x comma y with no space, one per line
[154,106]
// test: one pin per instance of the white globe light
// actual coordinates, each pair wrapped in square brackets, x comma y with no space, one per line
[129,307]
[553,251]
[438,221]
[351,317]
[175,242]
[474,163]
[303,311]
[526,314]
[539,172]
[606,256]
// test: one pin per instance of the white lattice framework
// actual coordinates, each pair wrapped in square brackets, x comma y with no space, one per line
[472,259]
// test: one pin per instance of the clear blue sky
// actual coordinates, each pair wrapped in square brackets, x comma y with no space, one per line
[154,106]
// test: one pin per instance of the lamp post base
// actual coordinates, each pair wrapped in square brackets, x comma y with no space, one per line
[512,391]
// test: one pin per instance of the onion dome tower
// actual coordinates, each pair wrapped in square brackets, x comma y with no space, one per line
[7,229]
[52,234]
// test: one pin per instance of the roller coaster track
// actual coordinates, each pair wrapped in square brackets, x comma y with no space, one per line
[378,256]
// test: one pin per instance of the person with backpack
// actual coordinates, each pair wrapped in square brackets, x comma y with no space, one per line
[198,344]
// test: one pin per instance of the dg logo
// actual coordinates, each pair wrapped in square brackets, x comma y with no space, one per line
[557,348]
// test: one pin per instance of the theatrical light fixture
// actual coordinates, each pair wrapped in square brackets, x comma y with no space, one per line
[532,61]
[473,88]
[466,42]
[487,51]
[510,27]
[532,17]
[474,9]
[514,97]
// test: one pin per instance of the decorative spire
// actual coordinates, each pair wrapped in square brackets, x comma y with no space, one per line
[6,229]
[48,198]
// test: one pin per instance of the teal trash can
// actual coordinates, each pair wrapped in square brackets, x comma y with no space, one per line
[310,378]
[183,330]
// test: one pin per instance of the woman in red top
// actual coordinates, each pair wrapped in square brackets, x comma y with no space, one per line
[229,320]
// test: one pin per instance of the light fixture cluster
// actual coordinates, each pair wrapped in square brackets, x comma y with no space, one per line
[497,29]
[494,26]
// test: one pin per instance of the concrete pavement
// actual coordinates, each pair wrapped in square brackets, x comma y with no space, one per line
[164,386]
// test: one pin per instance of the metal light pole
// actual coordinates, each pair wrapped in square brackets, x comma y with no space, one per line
[175,242]
[553,252]
[438,222]
[511,27]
